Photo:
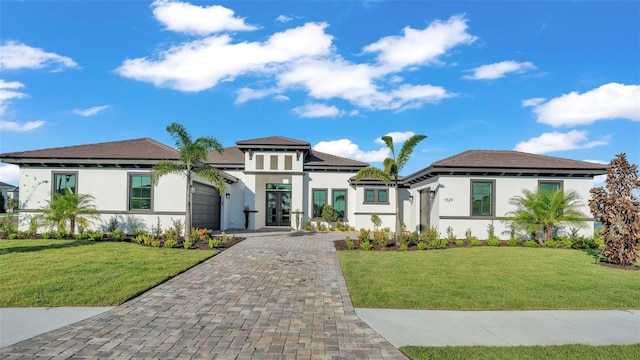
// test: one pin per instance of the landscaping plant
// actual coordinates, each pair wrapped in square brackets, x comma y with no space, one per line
[618,209]
[69,208]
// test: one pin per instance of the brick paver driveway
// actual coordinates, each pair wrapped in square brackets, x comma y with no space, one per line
[273,296]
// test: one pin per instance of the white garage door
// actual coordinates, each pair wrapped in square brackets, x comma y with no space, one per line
[205,207]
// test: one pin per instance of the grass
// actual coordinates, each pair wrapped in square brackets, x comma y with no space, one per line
[582,352]
[487,279]
[85,273]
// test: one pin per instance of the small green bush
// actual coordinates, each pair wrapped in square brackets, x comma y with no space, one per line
[475,242]
[96,235]
[117,235]
[404,247]
[381,238]
[13,236]
[513,242]
[471,240]
[80,236]
[451,238]
[61,234]
[551,244]
[48,235]
[214,243]
[530,243]
[494,241]
[422,246]
[318,225]
[112,224]
[365,235]
[156,243]
[171,243]
[188,244]
[438,243]
[308,226]
[366,245]
[459,243]
[350,243]
[567,243]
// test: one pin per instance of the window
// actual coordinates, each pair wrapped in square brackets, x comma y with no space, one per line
[274,162]
[319,201]
[140,192]
[63,181]
[482,198]
[340,202]
[288,162]
[259,162]
[380,196]
[549,185]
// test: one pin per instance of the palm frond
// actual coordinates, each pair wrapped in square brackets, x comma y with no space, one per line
[390,167]
[212,175]
[179,134]
[163,168]
[407,150]
[371,172]
[209,143]
[389,141]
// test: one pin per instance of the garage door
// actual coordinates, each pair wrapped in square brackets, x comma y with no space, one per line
[205,207]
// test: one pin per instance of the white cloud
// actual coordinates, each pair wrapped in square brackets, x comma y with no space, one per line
[90,111]
[557,141]
[597,161]
[317,110]
[15,55]
[202,20]
[9,173]
[419,47]
[397,137]
[609,101]
[201,64]
[20,127]
[7,92]
[499,69]
[284,18]
[532,102]
[346,148]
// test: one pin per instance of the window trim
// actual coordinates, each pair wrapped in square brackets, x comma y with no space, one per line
[376,196]
[130,192]
[53,179]
[493,198]
[559,182]
[326,194]
[346,203]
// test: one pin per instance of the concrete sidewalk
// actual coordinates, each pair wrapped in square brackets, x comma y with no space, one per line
[17,324]
[504,328]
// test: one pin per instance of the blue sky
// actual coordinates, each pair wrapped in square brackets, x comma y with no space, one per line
[554,78]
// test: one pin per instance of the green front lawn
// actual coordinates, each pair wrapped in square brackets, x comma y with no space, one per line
[487,278]
[85,273]
[582,352]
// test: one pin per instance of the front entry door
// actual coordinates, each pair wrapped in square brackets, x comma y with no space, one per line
[278,208]
[425,209]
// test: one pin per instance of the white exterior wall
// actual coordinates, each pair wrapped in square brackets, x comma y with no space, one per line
[386,212]
[109,187]
[330,181]
[451,204]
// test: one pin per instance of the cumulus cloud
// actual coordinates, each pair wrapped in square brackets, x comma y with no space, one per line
[20,127]
[201,64]
[317,111]
[557,141]
[8,91]
[609,101]
[90,111]
[346,148]
[420,47]
[284,18]
[9,173]
[201,20]
[397,137]
[499,69]
[15,55]
[532,102]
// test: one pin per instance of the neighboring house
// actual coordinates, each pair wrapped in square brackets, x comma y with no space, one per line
[9,192]
[276,179]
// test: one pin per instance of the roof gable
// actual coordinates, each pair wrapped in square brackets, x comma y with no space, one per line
[272,141]
[317,159]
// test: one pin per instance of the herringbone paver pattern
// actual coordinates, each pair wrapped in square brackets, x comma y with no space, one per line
[273,296]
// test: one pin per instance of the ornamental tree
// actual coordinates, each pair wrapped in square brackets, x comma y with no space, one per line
[617,207]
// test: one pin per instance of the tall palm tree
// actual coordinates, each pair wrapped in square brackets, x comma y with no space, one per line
[541,210]
[392,167]
[193,157]
[71,208]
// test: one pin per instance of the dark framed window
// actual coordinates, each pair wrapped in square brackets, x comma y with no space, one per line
[319,201]
[482,197]
[376,196]
[550,185]
[339,199]
[140,192]
[63,181]
[259,162]
[273,165]
[288,162]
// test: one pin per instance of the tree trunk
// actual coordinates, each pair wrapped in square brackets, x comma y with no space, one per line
[398,226]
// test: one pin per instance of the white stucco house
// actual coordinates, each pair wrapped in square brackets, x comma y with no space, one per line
[9,192]
[277,179]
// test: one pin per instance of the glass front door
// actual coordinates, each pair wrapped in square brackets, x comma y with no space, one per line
[278,208]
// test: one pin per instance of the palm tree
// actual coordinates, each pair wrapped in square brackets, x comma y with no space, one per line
[392,167]
[541,210]
[193,157]
[72,208]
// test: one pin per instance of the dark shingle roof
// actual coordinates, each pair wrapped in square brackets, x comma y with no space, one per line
[231,155]
[320,159]
[137,149]
[512,159]
[273,140]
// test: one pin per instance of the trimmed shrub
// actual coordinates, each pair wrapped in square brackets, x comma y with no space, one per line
[350,243]
[96,235]
[422,246]
[459,243]
[171,243]
[513,242]
[531,243]
[214,243]
[188,244]
[117,235]
[494,241]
